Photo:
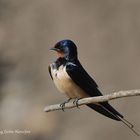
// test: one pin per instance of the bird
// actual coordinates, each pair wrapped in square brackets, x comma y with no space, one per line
[71,79]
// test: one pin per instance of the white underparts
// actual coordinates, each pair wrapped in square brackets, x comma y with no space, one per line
[65,84]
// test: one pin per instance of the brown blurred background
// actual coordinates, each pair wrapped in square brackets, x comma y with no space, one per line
[107,33]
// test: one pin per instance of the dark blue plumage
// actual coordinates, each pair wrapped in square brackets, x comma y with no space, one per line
[81,78]
[71,78]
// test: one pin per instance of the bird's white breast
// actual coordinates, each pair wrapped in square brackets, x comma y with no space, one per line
[65,84]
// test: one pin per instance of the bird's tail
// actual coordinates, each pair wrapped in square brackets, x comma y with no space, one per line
[106,109]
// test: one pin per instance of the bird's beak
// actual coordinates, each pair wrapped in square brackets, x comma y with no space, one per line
[54,49]
[59,53]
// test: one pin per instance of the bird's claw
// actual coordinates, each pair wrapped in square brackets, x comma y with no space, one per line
[75,102]
[62,105]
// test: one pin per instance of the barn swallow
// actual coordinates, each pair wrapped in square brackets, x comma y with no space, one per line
[70,78]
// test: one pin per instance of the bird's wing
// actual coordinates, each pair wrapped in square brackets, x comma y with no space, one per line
[85,82]
[82,79]
[49,68]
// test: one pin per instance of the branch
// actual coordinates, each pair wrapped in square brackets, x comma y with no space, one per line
[96,99]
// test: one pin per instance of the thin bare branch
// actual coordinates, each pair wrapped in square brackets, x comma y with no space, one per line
[115,95]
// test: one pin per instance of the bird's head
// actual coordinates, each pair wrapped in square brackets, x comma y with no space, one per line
[66,49]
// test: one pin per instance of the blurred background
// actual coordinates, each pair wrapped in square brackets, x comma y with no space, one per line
[107,33]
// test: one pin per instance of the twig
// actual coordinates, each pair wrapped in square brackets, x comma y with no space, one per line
[96,99]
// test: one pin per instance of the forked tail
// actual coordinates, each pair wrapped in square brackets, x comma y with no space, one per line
[106,109]
[124,121]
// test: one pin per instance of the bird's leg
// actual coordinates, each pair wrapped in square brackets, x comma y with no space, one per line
[62,105]
[75,102]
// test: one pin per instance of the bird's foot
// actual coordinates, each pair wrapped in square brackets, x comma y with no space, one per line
[62,105]
[75,102]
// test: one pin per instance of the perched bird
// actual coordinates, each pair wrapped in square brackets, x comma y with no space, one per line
[70,78]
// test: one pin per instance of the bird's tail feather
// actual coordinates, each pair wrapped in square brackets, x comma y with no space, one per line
[107,110]
[129,125]
[104,111]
